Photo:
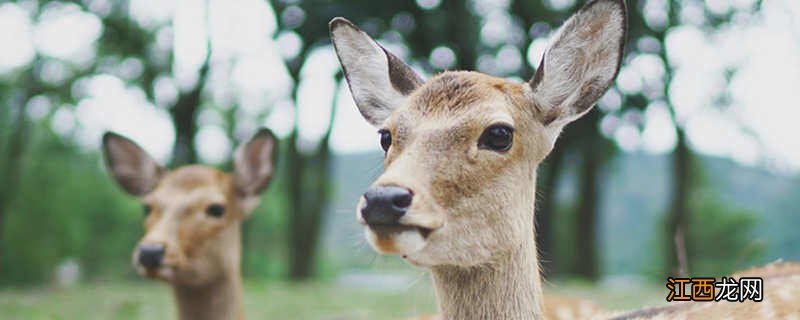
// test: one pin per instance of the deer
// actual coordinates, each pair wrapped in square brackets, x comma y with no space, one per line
[193,218]
[557,307]
[461,150]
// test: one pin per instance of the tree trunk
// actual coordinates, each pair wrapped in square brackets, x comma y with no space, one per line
[546,211]
[306,225]
[183,120]
[298,245]
[184,111]
[309,193]
[17,142]
[184,116]
[586,262]
[676,221]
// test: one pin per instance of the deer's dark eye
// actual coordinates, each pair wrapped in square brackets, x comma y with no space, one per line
[147,209]
[497,138]
[215,210]
[386,139]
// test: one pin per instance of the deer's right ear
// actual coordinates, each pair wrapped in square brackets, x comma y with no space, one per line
[378,80]
[133,169]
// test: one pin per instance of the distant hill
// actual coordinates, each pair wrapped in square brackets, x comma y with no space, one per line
[633,201]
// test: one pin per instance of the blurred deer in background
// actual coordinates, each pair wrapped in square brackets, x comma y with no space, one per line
[461,155]
[193,218]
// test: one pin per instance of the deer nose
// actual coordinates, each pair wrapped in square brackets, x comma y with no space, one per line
[385,205]
[151,255]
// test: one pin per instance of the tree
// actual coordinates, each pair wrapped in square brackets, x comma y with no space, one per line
[682,156]
[124,37]
[17,141]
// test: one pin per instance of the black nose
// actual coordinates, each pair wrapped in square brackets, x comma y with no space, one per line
[151,255]
[385,205]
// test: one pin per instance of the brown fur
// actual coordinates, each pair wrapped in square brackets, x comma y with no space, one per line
[471,219]
[202,253]
[459,190]
[557,307]
[566,308]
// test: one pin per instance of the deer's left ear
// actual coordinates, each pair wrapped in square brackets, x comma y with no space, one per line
[133,169]
[254,164]
[581,63]
[378,80]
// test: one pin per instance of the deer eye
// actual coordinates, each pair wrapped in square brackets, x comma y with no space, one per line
[215,210]
[497,138]
[386,139]
[146,208]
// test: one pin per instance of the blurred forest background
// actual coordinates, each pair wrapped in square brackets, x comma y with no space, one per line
[669,175]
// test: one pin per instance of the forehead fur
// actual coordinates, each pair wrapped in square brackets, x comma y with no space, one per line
[194,176]
[457,90]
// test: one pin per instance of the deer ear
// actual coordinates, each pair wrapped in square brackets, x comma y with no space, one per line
[254,164]
[378,80]
[581,63]
[133,169]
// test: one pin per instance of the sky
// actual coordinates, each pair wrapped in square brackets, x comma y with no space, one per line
[757,128]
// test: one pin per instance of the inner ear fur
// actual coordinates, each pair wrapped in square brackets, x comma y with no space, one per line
[130,166]
[581,63]
[379,81]
[254,163]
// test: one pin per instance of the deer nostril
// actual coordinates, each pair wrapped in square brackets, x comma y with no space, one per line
[402,200]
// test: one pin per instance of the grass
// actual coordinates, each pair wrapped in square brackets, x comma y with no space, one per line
[268,300]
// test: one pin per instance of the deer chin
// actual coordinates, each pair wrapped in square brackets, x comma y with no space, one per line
[397,239]
[165,273]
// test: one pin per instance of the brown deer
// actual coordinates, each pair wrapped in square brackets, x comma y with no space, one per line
[193,217]
[461,154]
[558,307]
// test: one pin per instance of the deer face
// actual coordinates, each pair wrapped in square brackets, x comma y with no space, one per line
[456,146]
[192,214]
[462,148]
[192,217]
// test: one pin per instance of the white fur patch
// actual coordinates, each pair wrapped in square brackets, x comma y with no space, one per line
[404,242]
[409,241]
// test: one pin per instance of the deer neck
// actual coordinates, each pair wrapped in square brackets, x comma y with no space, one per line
[507,288]
[219,299]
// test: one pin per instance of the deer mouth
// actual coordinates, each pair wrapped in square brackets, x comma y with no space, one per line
[389,230]
[397,238]
[160,273]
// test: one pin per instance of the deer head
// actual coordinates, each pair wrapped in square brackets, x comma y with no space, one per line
[462,148]
[192,214]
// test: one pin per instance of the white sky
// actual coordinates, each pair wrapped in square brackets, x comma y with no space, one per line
[247,69]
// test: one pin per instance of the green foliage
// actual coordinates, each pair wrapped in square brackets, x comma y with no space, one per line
[720,237]
[264,234]
[66,207]
[564,255]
